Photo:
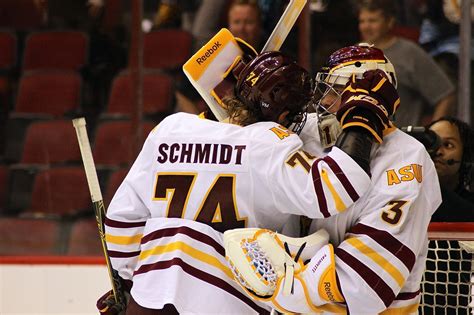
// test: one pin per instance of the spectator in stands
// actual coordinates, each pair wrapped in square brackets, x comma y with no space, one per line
[244,21]
[454,160]
[440,37]
[421,82]
[201,18]
[446,261]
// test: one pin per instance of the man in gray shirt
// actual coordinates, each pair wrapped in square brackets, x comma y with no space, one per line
[421,82]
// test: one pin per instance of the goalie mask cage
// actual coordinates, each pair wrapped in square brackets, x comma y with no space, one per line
[447,284]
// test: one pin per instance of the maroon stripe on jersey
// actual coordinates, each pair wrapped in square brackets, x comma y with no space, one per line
[407,295]
[342,177]
[318,188]
[384,292]
[387,241]
[203,276]
[201,237]
[120,224]
[116,254]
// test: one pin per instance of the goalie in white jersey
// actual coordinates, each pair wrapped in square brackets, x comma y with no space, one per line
[196,178]
[380,241]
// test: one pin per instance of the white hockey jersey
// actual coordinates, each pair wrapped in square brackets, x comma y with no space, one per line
[196,178]
[382,239]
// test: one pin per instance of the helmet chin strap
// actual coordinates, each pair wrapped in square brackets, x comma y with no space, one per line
[329,129]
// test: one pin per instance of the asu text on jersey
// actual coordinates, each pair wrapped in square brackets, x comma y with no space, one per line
[200,153]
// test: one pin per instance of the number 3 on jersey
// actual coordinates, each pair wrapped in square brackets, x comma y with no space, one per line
[218,208]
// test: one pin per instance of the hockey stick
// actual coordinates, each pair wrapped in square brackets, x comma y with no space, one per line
[284,25]
[98,204]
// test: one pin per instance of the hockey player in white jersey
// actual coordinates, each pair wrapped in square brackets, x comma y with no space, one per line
[380,241]
[196,178]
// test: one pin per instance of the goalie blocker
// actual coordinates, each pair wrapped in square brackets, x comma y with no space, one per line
[279,270]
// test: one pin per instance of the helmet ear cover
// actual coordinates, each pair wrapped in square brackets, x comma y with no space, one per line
[271,84]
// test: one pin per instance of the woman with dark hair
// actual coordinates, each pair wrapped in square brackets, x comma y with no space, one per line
[447,264]
[454,160]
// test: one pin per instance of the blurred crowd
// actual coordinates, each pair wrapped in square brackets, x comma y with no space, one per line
[64,59]
[420,37]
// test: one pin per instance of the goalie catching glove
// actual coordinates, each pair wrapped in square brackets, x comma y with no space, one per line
[368,103]
[289,274]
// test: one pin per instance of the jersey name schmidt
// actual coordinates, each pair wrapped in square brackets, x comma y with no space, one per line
[200,153]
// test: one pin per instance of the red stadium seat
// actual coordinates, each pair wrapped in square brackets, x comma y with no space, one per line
[115,179]
[20,15]
[166,49]
[84,239]
[49,142]
[3,186]
[408,32]
[29,237]
[61,191]
[65,50]
[8,42]
[8,61]
[157,94]
[113,142]
[49,92]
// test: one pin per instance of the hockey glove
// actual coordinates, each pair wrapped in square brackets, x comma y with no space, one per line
[368,103]
[107,305]
[271,269]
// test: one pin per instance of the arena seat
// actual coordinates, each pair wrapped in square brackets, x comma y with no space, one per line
[113,142]
[407,32]
[20,15]
[8,77]
[3,187]
[157,95]
[166,49]
[65,50]
[115,179]
[84,239]
[60,192]
[29,236]
[56,93]
[8,47]
[50,142]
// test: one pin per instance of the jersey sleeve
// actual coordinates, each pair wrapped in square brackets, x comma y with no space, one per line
[317,187]
[125,220]
[384,251]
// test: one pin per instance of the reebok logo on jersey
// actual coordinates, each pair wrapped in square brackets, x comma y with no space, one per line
[208,53]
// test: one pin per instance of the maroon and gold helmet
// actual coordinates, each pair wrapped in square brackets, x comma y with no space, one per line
[331,80]
[356,60]
[272,83]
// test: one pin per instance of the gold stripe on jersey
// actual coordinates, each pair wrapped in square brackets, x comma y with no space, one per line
[378,259]
[340,206]
[188,250]
[123,240]
[409,309]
